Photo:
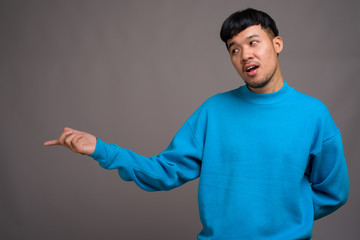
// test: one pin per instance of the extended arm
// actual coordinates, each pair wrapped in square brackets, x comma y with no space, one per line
[179,163]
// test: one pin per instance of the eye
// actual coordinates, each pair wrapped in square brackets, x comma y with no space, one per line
[253,42]
[234,51]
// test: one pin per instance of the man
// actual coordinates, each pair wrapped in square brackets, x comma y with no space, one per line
[269,158]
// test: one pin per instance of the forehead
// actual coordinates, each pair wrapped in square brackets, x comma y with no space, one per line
[249,32]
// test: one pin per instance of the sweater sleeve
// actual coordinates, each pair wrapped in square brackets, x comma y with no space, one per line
[178,163]
[329,177]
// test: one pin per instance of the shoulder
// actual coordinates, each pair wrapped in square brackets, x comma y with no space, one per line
[307,98]
[313,108]
[221,98]
[311,104]
[214,105]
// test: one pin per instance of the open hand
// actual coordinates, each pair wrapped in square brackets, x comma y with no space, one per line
[76,141]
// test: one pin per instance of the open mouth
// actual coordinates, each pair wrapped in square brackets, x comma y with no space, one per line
[251,68]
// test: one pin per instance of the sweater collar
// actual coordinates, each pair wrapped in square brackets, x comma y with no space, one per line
[265,98]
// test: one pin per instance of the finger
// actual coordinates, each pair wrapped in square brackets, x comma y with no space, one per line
[75,144]
[68,141]
[52,142]
[66,129]
[77,138]
[64,135]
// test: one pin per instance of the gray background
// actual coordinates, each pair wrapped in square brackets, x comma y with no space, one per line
[132,72]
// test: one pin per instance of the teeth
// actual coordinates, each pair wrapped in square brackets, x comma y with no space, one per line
[249,68]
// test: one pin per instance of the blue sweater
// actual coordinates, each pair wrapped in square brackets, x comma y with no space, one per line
[269,164]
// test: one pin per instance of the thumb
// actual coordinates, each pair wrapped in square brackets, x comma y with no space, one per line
[67,129]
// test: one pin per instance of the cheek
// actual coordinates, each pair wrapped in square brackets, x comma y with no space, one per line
[238,68]
[262,54]
[269,54]
[235,63]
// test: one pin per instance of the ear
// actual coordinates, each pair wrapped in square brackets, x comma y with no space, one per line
[278,44]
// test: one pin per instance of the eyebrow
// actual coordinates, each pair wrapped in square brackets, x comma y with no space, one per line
[247,38]
[252,36]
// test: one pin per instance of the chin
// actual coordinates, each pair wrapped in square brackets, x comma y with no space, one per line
[257,84]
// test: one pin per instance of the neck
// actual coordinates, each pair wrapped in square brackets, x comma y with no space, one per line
[265,99]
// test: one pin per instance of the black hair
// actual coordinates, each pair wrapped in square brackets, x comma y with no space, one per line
[241,20]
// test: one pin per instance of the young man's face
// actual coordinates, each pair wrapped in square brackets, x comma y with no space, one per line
[254,54]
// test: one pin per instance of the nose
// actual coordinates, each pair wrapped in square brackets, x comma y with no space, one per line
[246,54]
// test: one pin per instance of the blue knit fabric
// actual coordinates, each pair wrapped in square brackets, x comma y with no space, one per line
[269,164]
